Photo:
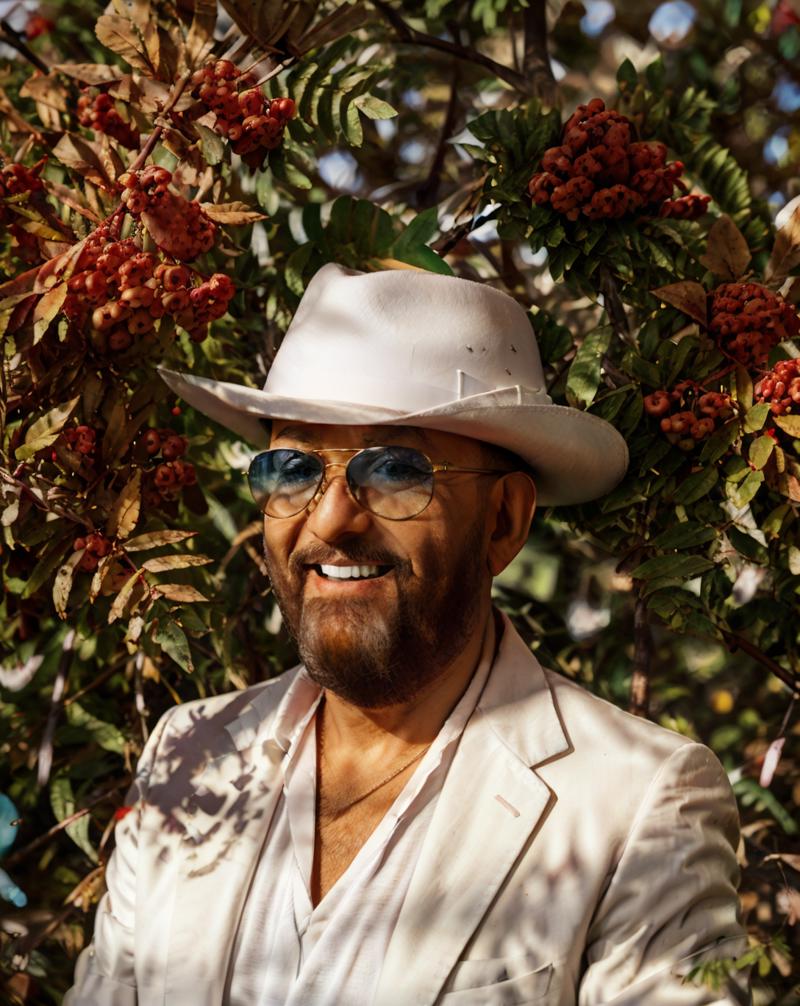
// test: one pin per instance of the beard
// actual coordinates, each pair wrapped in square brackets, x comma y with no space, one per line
[372,653]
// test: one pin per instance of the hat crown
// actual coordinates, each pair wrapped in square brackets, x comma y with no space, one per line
[405,340]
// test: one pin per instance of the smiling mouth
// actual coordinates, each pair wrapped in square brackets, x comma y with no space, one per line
[363,571]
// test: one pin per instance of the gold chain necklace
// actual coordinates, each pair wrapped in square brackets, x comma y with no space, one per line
[340,808]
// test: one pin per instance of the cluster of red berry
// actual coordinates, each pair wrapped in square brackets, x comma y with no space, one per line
[747,320]
[252,122]
[781,388]
[98,112]
[123,292]
[17,180]
[97,546]
[78,439]
[178,226]
[172,474]
[599,173]
[688,413]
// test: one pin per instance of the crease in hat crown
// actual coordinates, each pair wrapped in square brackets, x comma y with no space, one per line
[408,347]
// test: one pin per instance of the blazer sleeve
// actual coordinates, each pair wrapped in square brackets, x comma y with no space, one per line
[105,971]
[672,900]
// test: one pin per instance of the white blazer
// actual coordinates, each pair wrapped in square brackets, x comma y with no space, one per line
[577,856]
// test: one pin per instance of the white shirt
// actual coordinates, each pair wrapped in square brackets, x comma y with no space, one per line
[288,953]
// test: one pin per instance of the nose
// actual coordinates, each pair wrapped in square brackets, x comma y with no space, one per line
[333,514]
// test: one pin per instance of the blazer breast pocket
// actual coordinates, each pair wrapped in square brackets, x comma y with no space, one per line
[510,981]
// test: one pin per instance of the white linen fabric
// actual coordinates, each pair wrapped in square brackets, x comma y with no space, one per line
[575,856]
[289,953]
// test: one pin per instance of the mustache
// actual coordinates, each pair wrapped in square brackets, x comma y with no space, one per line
[355,554]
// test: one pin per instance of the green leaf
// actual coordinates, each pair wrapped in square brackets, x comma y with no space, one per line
[719,442]
[45,431]
[583,379]
[62,800]
[697,485]
[688,534]
[679,566]
[420,231]
[105,734]
[174,642]
[760,451]
[741,493]
[374,108]
[212,146]
[755,417]
[627,77]
[351,125]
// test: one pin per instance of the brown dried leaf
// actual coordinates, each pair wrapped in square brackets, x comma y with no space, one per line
[125,512]
[688,297]
[789,424]
[179,592]
[116,437]
[62,585]
[727,252]
[344,19]
[164,562]
[153,539]
[790,858]
[46,429]
[45,89]
[46,309]
[85,157]
[200,39]
[233,214]
[90,73]
[120,36]
[786,250]
[122,598]
[99,575]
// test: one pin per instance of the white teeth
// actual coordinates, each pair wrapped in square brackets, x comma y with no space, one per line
[349,572]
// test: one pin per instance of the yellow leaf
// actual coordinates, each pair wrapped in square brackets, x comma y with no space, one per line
[155,538]
[125,512]
[164,562]
[123,597]
[46,309]
[179,592]
[63,582]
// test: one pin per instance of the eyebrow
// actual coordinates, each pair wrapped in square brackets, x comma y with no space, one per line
[301,435]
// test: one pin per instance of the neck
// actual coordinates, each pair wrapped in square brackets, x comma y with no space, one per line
[418,721]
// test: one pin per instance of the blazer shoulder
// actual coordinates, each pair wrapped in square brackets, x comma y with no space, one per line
[601,729]
[213,714]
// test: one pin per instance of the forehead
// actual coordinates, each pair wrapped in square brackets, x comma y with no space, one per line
[318,435]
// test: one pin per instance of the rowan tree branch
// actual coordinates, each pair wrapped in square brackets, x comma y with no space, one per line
[735,641]
[639,703]
[13,38]
[536,66]
[413,37]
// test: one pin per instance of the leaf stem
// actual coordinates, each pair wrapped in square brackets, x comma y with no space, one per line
[413,37]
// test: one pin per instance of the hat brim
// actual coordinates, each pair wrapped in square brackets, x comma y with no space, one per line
[575,456]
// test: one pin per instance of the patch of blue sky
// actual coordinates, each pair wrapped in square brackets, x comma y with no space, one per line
[672,21]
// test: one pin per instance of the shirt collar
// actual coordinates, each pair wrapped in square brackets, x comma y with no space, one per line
[302,697]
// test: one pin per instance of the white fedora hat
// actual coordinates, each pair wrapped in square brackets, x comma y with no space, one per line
[411,348]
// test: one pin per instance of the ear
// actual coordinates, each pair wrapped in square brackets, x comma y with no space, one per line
[511,512]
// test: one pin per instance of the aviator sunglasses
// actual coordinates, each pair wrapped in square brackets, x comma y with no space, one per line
[392,482]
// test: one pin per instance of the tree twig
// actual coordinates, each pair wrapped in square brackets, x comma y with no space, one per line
[735,641]
[614,306]
[536,66]
[13,38]
[428,192]
[639,703]
[408,34]
[40,840]
[45,756]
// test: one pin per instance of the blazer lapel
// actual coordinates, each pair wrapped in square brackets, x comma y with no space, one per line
[488,811]
[224,821]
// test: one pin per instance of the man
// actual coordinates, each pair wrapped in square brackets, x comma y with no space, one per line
[420,813]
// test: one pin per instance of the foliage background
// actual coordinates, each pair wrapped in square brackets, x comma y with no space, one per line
[418,127]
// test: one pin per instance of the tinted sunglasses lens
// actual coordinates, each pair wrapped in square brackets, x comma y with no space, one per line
[392,482]
[283,482]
